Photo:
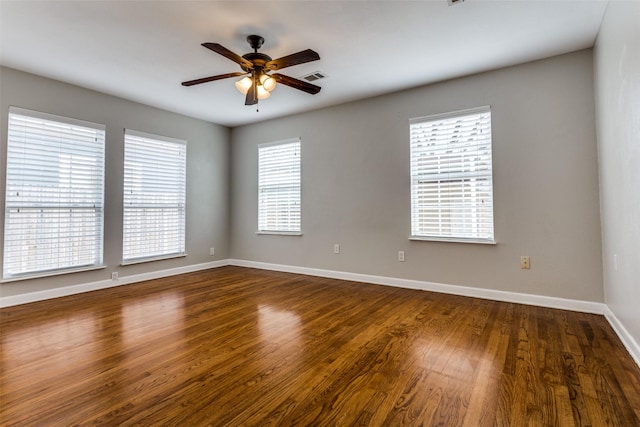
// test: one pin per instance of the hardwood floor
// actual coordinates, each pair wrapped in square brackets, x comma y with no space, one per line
[242,347]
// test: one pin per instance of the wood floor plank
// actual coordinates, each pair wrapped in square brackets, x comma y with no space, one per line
[242,347]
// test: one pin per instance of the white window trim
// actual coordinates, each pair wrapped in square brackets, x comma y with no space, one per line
[51,273]
[151,259]
[163,256]
[298,232]
[280,233]
[454,239]
[99,202]
[140,134]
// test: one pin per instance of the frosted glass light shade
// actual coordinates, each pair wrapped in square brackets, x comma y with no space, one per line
[243,85]
[269,83]
[263,93]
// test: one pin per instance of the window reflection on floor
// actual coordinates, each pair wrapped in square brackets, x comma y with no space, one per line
[50,349]
[72,338]
[278,326]
[151,318]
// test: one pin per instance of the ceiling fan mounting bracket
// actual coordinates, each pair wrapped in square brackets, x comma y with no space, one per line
[255,41]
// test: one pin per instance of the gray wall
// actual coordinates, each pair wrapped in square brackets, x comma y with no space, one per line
[355,184]
[617,82]
[207,171]
[355,189]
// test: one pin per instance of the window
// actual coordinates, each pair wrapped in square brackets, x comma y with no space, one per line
[451,177]
[54,194]
[279,187]
[154,197]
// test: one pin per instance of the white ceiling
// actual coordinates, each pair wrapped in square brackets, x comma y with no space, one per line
[142,50]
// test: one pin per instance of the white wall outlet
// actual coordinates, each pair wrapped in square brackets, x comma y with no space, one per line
[114,275]
[212,251]
[525,263]
[336,248]
[401,256]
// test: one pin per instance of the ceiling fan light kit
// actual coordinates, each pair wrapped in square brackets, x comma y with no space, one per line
[265,85]
[257,82]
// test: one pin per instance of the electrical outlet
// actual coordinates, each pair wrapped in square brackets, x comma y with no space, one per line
[336,248]
[525,263]
[114,275]
[401,256]
[212,251]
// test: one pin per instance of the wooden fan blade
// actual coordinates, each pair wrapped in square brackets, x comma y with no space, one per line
[296,84]
[252,95]
[212,78]
[293,59]
[218,48]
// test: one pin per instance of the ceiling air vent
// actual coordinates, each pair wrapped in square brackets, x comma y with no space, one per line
[317,75]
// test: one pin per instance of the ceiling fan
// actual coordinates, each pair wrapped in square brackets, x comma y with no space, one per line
[257,67]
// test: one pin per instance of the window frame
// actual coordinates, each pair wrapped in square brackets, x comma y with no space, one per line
[288,230]
[418,174]
[78,192]
[131,255]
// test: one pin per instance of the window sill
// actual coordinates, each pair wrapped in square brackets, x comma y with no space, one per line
[51,273]
[151,259]
[453,240]
[281,233]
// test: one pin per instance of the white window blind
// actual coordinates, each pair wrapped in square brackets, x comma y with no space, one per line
[279,187]
[451,177]
[154,196]
[54,194]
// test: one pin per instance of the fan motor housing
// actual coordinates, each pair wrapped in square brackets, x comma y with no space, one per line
[258,59]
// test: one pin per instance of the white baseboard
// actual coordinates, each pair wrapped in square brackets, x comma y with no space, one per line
[627,339]
[505,296]
[103,284]
[538,300]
